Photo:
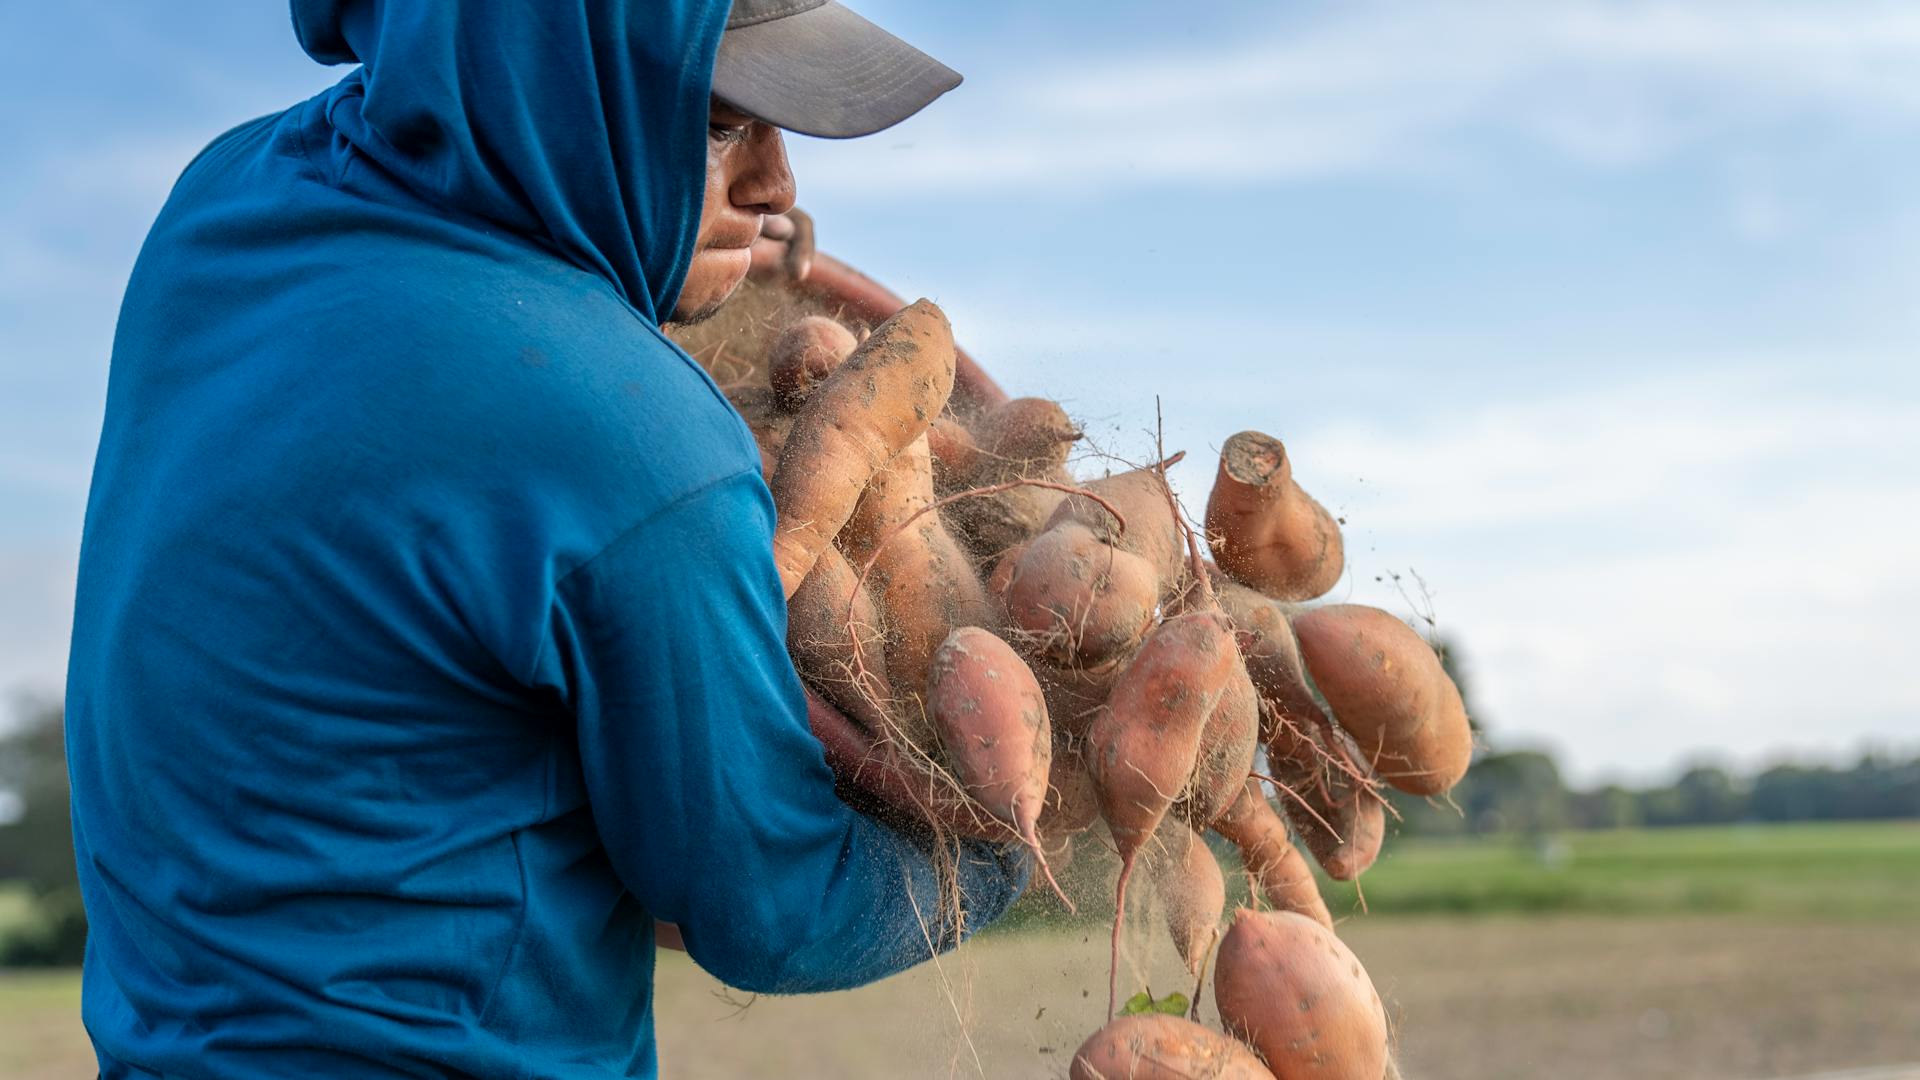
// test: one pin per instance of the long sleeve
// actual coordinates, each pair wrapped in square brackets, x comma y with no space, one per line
[708,789]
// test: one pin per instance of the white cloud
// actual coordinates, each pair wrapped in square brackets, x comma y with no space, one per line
[1392,87]
[1659,570]
[1642,568]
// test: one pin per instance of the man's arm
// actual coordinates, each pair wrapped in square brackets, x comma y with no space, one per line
[710,792]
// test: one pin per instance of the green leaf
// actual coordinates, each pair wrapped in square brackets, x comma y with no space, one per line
[1174,1004]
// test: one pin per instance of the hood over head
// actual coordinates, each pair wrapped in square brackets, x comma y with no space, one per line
[579,124]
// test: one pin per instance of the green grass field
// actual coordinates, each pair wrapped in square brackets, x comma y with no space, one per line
[1699,954]
[1844,871]
[1849,871]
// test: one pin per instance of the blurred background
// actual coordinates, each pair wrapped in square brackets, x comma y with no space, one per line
[1594,321]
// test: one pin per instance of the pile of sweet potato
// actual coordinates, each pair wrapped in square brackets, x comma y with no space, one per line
[1011,651]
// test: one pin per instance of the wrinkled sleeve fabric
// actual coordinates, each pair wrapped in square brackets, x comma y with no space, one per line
[710,793]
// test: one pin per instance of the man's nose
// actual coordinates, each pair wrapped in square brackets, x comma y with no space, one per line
[766,186]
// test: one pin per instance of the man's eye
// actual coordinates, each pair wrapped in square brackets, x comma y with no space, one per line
[726,132]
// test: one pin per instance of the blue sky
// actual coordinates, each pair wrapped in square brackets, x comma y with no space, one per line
[1598,316]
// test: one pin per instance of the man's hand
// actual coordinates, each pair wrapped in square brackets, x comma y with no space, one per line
[785,245]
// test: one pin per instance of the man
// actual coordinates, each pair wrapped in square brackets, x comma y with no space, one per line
[428,644]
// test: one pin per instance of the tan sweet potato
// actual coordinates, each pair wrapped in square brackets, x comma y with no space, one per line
[820,637]
[1264,530]
[1078,602]
[876,403]
[1026,434]
[955,454]
[767,421]
[925,583]
[1143,745]
[1386,688]
[1152,1046]
[1191,889]
[1276,870]
[804,354]
[1295,993]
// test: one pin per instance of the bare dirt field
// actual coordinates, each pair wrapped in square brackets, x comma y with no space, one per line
[1476,999]
[1575,998]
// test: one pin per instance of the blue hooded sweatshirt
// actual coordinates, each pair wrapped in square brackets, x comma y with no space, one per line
[428,644]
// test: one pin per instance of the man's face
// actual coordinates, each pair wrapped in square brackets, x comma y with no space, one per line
[747,178]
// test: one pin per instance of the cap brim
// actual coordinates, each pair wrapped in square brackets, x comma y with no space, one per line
[826,72]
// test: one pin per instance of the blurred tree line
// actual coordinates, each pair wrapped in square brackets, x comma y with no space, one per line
[1517,792]
[36,845]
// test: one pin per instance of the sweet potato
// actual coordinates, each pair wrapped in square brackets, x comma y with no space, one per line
[955,454]
[1150,532]
[1024,439]
[1385,686]
[876,403]
[1152,1046]
[992,721]
[1267,644]
[1027,434]
[1332,807]
[1076,695]
[769,423]
[1275,868]
[1227,743]
[1072,803]
[1078,602]
[820,637]
[1144,744]
[1295,993]
[1264,530]
[926,585]
[804,354]
[1000,572]
[1188,880]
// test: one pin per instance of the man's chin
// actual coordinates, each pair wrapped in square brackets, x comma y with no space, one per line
[698,309]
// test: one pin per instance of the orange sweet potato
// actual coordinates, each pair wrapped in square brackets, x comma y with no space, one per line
[955,454]
[804,354]
[1144,744]
[1295,993]
[1188,880]
[1023,439]
[1264,530]
[1227,744]
[926,585]
[1072,803]
[1332,807]
[820,637]
[1151,1046]
[1385,686]
[1078,602]
[876,403]
[1150,532]
[991,719]
[766,420]
[1275,868]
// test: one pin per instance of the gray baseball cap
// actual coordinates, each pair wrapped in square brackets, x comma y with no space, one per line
[814,67]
